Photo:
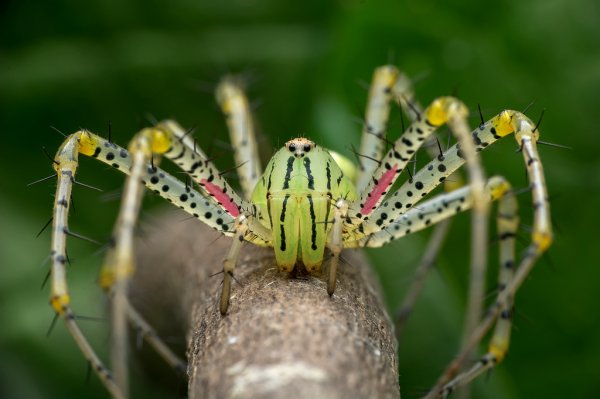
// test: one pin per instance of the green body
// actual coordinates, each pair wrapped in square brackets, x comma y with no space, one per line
[295,196]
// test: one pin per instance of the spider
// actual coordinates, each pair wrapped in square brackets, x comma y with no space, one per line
[307,200]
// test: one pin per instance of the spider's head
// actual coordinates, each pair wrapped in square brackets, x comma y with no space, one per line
[299,146]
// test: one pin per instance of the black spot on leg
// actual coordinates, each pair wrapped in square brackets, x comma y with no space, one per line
[195,166]
[506,314]
[110,156]
[165,188]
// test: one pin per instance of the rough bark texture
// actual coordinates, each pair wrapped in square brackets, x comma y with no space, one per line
[282,337]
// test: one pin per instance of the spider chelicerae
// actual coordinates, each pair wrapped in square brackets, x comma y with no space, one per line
[308,199]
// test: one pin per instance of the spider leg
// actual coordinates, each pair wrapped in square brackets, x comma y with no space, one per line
[166,139]
[241,213]
[439,209]
[431,175]
[442,110]
[430,212]
[184,152]
[404,96]
[479,223]
[66,166]
[234,104]
[335,241]
[230,261]
[148,333]
[387,84]
[204,207]
[541,236]
[507,225]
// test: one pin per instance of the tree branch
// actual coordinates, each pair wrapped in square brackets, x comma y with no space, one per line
[282,336]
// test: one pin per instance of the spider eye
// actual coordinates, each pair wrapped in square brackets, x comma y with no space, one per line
[292,148]
[306,148]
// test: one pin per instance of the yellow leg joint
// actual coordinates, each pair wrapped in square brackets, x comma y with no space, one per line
[160,141]
[228,90]
[441,109]
[87,143]
[503,123]
[151,140]
[499,189]
[60,302]
[498,349]
[542,239]
[108,276]
[388,75]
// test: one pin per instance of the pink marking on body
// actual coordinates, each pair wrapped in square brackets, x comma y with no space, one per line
[221,197]
[378,190]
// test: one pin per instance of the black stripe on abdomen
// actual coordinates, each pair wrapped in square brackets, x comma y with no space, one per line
[288,172]
[311,179]
[313,220]
[328,170]
[285,200]
[282,231]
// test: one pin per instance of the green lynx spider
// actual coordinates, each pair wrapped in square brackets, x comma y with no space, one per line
[305,202]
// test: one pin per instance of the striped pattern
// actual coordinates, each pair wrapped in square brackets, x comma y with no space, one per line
[296,195]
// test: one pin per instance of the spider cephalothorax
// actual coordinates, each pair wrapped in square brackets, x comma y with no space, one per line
[307,200]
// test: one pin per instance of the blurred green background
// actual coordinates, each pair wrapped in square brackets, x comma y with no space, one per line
[73,64]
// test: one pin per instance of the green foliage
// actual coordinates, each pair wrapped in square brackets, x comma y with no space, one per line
[81,64]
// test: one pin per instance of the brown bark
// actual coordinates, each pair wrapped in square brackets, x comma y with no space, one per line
[283,337]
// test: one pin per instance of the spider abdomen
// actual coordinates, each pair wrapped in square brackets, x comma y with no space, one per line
[295,196]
